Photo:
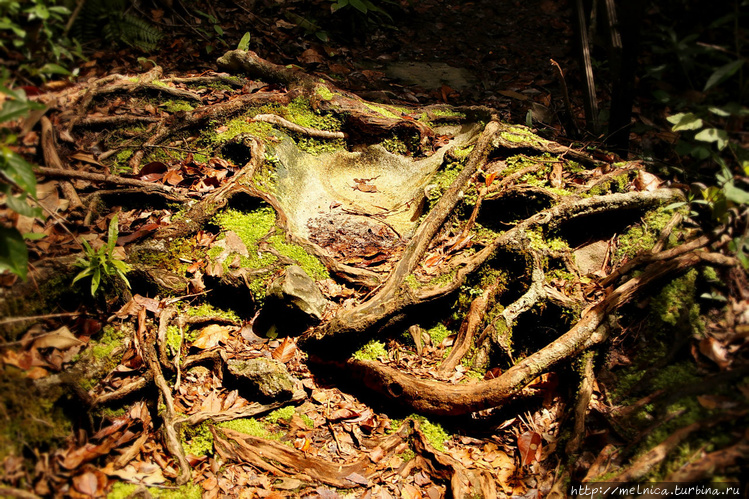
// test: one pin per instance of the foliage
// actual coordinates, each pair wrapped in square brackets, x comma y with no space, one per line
[704,53]
[112,20]
[17,181]
[36,28]
[102,265]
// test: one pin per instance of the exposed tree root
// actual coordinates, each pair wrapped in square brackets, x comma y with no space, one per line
[435,397]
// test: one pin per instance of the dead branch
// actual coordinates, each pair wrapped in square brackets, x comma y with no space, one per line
[711,464]
[118,120]
[134,386]
[283,460]
[646,462]
[107,179]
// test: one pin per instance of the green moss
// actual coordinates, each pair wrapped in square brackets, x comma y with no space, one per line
[434,433]
[250,426]
[174,106]
[250,227]
[677,300]
[123,490]
[109,339]
[31,413]
[309,263]
[641,237]
[438,333]
[382,110]
[300,112]
[521,135]
[307,421]
[173,339]
[371,351]
[208,310]
[197,440]
[282,413]
[324,92]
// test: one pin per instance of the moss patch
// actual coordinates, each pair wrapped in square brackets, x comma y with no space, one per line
[250,426]
[122,490]
[371,351]
[197,440]
[309,263]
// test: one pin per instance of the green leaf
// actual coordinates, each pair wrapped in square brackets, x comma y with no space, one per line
[719,112]
[53,69]
[95,281]
[18,170]
[244,43]
[685,121]
[20,206]
[723,73]
[322,36]
[359,5]
[720,137]
[83,273]
[13,109]
[13,253]
[33,236]
[218,29]
[733,193]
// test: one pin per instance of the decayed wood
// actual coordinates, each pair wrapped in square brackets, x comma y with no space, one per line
[283,460]
[108,179]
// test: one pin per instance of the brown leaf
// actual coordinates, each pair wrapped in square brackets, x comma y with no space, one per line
[60,339]
[87,483]
[211,336]
[490,178]
[529,445]
[311,56]
[715,351]
[646,181]
[173,177]
[556,176]
[410,492]
[285,351]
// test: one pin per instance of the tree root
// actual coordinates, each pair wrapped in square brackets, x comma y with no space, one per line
[150,356]
[439,398]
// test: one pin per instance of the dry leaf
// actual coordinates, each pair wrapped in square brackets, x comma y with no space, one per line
[529,445]
[285,351]
[210,336]
[60,339]
[646,181]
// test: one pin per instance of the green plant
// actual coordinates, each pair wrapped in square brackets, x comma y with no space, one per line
[112,20]
[17,181]
[102,265]
[37,29]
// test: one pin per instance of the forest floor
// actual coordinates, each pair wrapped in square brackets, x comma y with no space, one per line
[148,394]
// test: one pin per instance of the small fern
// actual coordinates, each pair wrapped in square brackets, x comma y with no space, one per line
[112,21]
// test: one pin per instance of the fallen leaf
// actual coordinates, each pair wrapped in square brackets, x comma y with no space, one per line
[60,339]
[646,181]
[358,479]
[210,336]
[285,351]
[529,445]
[87,483]
[490,178]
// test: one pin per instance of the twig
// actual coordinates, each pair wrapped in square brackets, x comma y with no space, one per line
[107,179]
[9,320]
[573,131]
